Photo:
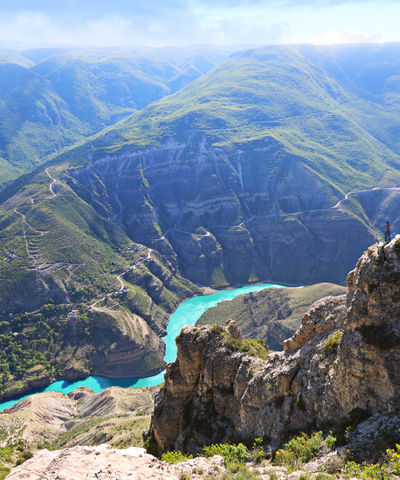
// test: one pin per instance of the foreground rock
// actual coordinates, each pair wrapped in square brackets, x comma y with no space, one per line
[105,463]
[343,363]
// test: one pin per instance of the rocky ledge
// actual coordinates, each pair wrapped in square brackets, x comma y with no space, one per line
[341,365]
[105,463]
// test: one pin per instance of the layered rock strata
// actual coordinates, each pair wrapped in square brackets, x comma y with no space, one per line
[223,217]
[344,359]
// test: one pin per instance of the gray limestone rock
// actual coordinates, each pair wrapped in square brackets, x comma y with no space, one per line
[344,358]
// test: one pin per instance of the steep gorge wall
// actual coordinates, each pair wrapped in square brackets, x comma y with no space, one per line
[224,217]
[212,393]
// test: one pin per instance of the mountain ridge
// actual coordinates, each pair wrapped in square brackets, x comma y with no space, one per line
[67,95]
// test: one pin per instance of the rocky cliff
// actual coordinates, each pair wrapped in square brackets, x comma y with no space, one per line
[342,363]
[223,217]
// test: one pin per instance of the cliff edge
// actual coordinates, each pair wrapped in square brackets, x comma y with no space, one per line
[342,363]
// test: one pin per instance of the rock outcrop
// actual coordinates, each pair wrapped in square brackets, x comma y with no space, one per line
[343,361]
[105,463]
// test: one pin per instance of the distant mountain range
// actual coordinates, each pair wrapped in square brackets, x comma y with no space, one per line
[51,98]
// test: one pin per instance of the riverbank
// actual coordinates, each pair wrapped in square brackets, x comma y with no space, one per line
[187,313]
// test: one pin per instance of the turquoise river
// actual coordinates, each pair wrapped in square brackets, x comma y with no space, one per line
[187,313]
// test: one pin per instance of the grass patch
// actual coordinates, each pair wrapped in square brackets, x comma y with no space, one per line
[255,348]
[175,456]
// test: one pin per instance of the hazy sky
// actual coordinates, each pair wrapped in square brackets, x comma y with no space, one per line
[185,22]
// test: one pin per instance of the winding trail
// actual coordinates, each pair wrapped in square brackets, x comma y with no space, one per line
[54,181]
[24,234]
[352,192]
[33,251]
[121,282]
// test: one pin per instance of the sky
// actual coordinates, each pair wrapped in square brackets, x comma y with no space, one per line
[159,23]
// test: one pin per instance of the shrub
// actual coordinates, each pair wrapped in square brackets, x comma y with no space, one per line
[301,449]
[256,348]
[287,459]
[332,342]
[184,476]
[366,471]
[150,445]
[231,453]
[175,456]
[305,447]
[304,476]
[389,468]
[217,329]
[258,450]
[330,441]
[4,471]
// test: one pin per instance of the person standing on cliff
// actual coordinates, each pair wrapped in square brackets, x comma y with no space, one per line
[387,231]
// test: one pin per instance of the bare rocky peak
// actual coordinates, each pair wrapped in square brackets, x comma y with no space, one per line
[343,360]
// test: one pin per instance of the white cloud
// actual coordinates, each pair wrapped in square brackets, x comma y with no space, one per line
[234,26]
[348,36]
[184,22]
[108,31]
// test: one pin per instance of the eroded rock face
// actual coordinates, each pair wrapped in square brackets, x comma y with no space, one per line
[224,217]
[344,358]
[367,372]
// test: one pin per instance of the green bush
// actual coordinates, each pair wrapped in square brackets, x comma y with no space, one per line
[217,329]
[330,441]
[302,449]
[150,445]
[286,458]
[257,452]
[231,453]
[13,454]
[332,342]
[388,469]
[305,447]
[175,456]
[256,348]
[4,471]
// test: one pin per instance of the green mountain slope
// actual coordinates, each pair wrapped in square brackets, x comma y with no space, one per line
[279,93]
[69,95]
[59,255]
